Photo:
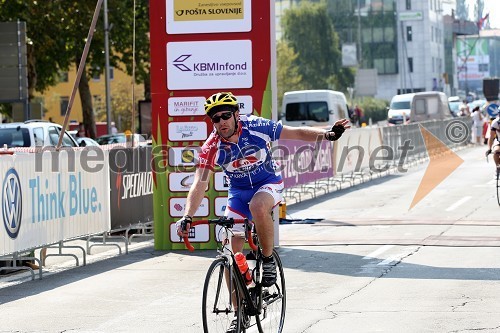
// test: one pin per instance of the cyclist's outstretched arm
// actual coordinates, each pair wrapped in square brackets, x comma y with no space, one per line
[306,133]
[195,196]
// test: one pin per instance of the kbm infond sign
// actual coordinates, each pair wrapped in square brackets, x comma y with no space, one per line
[209,65]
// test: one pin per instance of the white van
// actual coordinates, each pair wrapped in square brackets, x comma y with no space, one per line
[430,105]
[400,109]
[318,108]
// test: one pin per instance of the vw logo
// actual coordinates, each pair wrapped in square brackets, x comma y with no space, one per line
[12,203]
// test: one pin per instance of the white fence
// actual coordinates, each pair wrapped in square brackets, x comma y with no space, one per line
[50,197]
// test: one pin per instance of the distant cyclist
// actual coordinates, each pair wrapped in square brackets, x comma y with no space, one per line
[240,145]
[493,147]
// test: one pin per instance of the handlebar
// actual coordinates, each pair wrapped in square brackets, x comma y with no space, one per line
[225,223]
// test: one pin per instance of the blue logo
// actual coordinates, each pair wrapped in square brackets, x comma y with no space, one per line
[12,203]
[492,110]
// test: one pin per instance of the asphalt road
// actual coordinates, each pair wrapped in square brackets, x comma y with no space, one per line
[370,265]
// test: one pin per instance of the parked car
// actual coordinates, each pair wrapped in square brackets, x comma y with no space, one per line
[33,133]
[454,103]
[86,142]
[119,138]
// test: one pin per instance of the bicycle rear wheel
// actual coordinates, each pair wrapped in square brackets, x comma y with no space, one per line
[273,300]
[218,310]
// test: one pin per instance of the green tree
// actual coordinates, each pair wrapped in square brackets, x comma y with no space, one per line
[309,31]
[58,31]
[288,75]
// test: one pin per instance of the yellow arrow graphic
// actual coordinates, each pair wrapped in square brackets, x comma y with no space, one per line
[443,161]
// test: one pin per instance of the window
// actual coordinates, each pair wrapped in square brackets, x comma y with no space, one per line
[409,34]
[54,137]
[420,106]
[410,65]
[408,4]
[13,137]
[96,73]
[389,34]
[63,77]
[367,35]
[63,104]
[316,111]
[483,67]
[39,136]
[378,34]
[390,66]
[433,105]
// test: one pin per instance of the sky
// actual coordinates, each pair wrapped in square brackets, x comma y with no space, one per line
[492,7]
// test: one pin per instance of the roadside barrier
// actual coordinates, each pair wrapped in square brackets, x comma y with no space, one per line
[51,197]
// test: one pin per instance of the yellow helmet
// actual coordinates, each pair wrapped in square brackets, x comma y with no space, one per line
[214,103]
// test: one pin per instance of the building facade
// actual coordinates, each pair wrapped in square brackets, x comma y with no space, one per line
[55,99]
[402,39]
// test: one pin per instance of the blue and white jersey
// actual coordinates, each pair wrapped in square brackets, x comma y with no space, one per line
[495,126]
[248,163]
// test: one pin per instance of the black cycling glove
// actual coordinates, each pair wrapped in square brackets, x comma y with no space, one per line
[182,223]
[335,133]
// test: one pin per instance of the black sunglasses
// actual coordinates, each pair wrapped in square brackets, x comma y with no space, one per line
[225,116]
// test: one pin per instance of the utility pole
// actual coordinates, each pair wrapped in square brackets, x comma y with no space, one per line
[106,70]
[360,57]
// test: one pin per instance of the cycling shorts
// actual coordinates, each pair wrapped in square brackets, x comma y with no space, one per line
[238,202]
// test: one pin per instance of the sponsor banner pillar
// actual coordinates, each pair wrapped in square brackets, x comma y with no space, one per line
[197,49]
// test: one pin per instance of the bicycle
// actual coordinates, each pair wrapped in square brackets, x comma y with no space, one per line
[498,181]
[226,295]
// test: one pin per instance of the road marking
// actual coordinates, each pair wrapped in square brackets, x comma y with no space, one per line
[458,203]
[389,260]
[378,251]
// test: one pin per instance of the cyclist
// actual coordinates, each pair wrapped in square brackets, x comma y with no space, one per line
[495,134]
[240,145]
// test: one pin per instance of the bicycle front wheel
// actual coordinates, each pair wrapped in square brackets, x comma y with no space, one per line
[273,302]
[498,188]
[221,304]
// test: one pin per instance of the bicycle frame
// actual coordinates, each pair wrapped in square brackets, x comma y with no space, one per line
[251,308]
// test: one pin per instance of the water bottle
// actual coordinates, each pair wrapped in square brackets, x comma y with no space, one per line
[241,261]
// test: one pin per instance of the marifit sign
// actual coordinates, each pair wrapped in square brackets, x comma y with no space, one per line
[202,17]
[209,65]
[186,106]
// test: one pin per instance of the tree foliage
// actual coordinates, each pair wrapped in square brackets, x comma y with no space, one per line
[309,31]
[58,30]
[288,75]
